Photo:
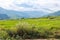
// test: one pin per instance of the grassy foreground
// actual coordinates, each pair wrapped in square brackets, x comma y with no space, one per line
[34,28]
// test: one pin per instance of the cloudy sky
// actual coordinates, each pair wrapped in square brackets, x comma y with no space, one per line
[31,5]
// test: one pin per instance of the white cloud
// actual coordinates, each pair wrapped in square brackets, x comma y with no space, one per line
[35,5]
[5,3]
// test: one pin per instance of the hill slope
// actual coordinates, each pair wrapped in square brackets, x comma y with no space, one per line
[4,16]
[55,14]
[20,14]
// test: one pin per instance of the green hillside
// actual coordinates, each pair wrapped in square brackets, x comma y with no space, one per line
[44,27]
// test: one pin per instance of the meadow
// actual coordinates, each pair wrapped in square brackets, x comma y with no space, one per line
[30,28]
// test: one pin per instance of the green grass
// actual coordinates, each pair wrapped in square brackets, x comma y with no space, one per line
[8,23]
[38,22]
[46,23]
[35,24]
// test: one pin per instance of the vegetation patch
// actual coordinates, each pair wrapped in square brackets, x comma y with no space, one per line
[33,28]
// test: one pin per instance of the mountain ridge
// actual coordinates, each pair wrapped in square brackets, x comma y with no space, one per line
[18,14]
[55,14]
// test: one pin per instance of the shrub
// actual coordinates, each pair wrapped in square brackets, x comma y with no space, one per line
[27,31]
[3,34]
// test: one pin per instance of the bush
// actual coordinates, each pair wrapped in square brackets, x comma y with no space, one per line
[25,31]
[3,34]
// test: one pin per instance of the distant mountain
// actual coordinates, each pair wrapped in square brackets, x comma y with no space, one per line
[4,16]
[11,14]
[55,14]
[20,14]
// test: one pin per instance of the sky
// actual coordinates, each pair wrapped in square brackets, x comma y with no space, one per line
[31,5]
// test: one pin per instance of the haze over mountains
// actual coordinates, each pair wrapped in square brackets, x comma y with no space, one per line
[55,13]
[18,14]
[14,9]
[11,14]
